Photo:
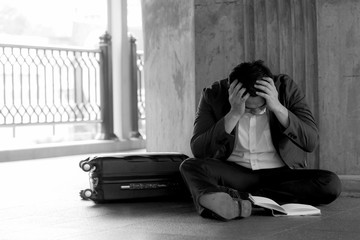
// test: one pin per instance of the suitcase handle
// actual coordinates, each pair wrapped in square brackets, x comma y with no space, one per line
[156,158]
[146,157]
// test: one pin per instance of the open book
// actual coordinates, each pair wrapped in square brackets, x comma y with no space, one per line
[290,209]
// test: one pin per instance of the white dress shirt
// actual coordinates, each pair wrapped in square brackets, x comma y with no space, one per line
[253,145]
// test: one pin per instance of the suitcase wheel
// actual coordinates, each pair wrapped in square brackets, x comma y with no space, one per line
[83,161]
[86,194]
[86,166]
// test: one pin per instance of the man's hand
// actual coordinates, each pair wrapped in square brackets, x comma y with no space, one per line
[237,102]
[269,92]
[236,98]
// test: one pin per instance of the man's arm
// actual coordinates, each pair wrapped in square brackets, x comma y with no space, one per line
[282,114]
[293,113]
[209,135]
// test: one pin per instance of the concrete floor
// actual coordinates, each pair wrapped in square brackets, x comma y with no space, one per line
[40,200]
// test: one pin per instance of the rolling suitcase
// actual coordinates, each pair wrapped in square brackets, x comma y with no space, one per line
[134,176]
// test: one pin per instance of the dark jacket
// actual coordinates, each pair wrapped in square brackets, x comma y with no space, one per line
[210,140]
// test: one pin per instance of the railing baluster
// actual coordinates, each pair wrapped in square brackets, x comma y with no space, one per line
[106,94]
[134,91]
[141,93]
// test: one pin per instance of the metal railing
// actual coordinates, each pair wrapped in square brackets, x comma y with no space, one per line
[49,86]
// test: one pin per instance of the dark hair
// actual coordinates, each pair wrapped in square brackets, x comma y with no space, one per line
[248,72]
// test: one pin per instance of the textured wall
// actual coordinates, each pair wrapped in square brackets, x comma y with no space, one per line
[280,32]
[169,74]
[190,44]
[339,76]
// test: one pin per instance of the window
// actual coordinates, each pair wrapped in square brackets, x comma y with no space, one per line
[64,24]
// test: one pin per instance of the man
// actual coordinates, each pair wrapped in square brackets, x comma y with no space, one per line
[251,135]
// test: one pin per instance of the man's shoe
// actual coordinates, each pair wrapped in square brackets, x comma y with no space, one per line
[245,206]
[226,207]
[234,193]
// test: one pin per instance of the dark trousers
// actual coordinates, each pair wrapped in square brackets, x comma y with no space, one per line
[283,185]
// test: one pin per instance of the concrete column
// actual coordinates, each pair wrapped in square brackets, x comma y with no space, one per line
[120,68]
[169,74]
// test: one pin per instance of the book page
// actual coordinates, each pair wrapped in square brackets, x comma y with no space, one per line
[267,203]
[290,209]
[257,199]
[295,209]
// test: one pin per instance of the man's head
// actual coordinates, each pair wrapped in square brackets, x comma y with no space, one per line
[247,74]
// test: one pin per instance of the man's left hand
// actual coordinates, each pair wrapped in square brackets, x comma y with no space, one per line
[269,92]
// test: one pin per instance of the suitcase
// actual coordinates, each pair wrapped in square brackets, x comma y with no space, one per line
[134,176]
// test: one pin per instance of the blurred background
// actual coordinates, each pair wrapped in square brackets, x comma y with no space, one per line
[32,102]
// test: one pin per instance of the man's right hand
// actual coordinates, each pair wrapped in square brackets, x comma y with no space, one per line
[236,98]
[237,102]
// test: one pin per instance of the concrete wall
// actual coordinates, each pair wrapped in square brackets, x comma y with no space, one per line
[190,44]
[339,87]
[282,33]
